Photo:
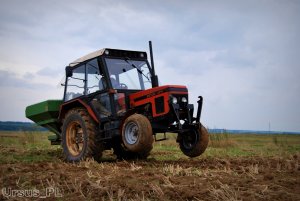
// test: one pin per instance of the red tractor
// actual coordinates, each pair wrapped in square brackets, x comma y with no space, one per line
[112,100]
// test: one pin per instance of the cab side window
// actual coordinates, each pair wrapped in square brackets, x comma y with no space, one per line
[75,87]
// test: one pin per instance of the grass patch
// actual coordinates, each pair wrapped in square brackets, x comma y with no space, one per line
[27,147]
[25,140]
[221,140]
[34,147]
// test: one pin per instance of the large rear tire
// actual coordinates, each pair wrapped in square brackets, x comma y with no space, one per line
[79,137]
[195,142]
[137,136]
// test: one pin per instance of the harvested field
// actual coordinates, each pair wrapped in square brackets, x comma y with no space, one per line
[244,173]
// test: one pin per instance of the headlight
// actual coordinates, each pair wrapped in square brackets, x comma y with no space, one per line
[184,99]
[174,100]
[106,52]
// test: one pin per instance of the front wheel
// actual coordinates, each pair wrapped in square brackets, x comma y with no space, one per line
[137,135]
[195,142]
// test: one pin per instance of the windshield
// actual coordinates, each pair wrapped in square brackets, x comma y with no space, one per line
[129,74]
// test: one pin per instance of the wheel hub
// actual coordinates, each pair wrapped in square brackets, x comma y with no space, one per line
[189,139]
[75,139]
[131,133]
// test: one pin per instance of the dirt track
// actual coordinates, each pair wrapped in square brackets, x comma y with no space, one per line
[243,178]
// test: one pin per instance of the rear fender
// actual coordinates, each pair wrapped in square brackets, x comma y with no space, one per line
[65,107]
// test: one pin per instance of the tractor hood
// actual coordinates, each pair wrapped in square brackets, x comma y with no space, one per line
[157,96]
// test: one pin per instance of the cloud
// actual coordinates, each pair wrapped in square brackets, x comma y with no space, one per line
[19,92]
[9,79]
[50,71]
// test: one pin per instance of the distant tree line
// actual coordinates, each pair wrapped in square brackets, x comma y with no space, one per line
[20,126]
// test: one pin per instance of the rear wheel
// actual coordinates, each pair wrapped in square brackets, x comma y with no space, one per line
[79,137]
[136,136]
[195,142]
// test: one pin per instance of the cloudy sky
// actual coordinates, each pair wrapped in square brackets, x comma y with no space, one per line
[241,56]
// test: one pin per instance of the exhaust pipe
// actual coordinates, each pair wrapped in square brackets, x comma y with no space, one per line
[154,77]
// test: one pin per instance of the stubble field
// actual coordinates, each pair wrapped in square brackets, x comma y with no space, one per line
[234,167]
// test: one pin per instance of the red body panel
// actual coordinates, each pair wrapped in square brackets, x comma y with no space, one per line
[149,96]
[75,103]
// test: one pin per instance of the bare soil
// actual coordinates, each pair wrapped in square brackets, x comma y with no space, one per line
[242,178]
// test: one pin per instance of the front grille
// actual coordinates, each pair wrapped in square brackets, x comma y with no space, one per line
[159,104]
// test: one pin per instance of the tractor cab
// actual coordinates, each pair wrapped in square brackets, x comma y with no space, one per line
[105,77]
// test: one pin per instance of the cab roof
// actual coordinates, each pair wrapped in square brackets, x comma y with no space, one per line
[110,53]
[87,57]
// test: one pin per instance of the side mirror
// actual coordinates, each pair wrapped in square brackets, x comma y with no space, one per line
[69,71]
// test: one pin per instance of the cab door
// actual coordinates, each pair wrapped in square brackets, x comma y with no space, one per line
[97,90]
